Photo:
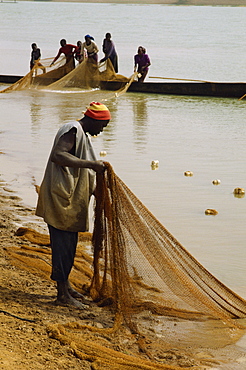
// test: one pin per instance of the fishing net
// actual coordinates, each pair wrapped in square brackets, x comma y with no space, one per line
[88,75]
[64,76]
[141,266]
[137,264]
[42,74]
[36,258]
[137,272]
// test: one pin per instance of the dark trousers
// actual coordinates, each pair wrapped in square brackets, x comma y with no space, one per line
[63,246]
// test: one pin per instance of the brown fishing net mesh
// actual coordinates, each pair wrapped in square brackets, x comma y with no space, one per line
[88,75]
[137,264]
[100,353]
[37,259]
[140,265]
[137,272]
[42,74]
[63,76]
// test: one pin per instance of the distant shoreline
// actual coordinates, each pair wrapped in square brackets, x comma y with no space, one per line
[160,2]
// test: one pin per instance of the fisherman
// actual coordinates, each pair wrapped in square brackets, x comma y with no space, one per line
[78,55]
[68,50]
[35,57]
[65,192]
[91,48]
[141,63]
[110,52]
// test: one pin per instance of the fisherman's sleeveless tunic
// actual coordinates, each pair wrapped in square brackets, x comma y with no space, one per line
[65,191]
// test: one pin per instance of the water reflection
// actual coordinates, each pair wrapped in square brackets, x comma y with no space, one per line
[49,110]
[140,121]
[109,138]
[35,114]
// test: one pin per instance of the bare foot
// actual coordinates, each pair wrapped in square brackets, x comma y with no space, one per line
[75,294]
[69,301]
[78,295]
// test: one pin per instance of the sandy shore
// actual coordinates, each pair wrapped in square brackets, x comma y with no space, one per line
[165,2]
[171,2]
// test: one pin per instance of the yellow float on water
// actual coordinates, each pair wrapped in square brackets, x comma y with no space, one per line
[239,191]
[188,173]
[103,153]
[210,211]
[216,182]
[154,164]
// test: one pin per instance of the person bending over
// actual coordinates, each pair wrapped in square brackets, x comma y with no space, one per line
[67,49]
[91,49]
[141,63]
[65,192]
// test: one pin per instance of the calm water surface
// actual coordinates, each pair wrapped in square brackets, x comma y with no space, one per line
[203,135]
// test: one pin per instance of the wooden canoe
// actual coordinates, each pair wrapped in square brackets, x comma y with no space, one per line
[214,89]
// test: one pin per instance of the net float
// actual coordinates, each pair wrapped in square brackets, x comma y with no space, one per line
[216,182]
[155,163]
[210,211]
[239,191]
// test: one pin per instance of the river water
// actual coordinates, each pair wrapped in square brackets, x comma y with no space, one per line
[204,135]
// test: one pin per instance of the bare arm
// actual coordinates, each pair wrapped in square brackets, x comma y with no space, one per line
[135,64]
[96,50]
[62,156]
[82,52]
[107,54]
[55,59]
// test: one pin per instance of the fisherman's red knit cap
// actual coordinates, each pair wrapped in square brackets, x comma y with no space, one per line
[98,111]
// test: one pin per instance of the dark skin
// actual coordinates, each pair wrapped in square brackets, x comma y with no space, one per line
[87,40]
[142,71]
[63,155]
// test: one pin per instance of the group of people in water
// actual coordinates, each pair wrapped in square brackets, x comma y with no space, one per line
[89,49]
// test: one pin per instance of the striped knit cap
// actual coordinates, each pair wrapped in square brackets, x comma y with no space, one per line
[98,111]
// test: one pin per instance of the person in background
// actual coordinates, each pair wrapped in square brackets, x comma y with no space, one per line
[141,63]
[35,57]
[78,55]
[67,49]
[91,48]
[110,52]
[65,192]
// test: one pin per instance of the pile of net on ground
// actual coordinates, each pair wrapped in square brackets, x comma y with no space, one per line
[63,76]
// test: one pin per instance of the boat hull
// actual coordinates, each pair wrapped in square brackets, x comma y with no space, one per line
[214,89]
[9,79]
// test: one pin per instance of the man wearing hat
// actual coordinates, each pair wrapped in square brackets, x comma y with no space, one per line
[65,192]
